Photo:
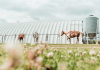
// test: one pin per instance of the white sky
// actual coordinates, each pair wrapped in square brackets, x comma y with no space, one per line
[47,10]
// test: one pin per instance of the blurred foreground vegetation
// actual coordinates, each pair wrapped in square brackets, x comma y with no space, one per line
[48,57]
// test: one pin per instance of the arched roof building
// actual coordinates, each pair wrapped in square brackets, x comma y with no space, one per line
[41,28]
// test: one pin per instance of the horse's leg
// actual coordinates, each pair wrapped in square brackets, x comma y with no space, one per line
[19,40]
[67,38]
[70,40]
[77,42]
[34,40]
[22,40]
[37,40]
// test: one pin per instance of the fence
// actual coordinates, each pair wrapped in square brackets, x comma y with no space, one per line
[28,38]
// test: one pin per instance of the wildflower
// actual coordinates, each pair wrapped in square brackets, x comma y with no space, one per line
[70,51]
[61,55]
[52,47]
[83,53]
[39,60]
[80,52]
[40,52]
[93,58]
[91,62]
[24,45]
[31,55]
[30,47]
[55,49]
[8,64]
[40,43]
[98,55]
[41,46]
[50,54]
[37,48]
[85,59]
[32,44]
[45,45]
[76,54]
[92,52]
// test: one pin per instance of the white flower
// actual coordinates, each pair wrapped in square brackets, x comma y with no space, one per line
[61,55]
[76,54]
[83,53]
[80,52]
[94,48]
[39,59]
[92,58]
[70,51]
[32,44]
[39,52]
[30,47]
[98,55]
[24,44]
[92,52]
[52,47]
[50,54]
[37,48]
[24,51]
[55,49]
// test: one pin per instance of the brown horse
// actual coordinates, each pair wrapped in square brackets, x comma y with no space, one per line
[72,34]
[20,37]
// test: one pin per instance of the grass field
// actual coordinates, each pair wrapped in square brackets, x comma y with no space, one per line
[67,45]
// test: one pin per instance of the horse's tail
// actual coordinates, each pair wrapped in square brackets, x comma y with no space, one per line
[82,34]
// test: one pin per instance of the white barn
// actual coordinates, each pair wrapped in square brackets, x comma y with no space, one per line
[42,28]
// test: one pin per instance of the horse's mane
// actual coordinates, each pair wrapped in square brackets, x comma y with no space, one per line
[66,31]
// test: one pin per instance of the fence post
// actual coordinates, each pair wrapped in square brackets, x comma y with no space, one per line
[87,38]
[46,40]
[59,37]
[25,38]
[15,37]
[2,38]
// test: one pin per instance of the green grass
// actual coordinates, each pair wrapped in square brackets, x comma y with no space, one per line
[74,45]
[66,45]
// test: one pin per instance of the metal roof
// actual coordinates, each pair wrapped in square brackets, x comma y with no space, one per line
[42,28]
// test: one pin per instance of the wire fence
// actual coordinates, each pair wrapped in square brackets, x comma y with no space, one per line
[15,37]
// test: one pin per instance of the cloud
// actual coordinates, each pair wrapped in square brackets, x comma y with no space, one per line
[2,20]
[47,10]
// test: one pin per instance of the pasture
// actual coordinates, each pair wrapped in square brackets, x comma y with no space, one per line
[50,57]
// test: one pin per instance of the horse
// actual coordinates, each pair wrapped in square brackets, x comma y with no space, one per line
[35,35]
[20,37]
[72,34]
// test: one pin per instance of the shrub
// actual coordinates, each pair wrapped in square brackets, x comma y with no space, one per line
[93,42]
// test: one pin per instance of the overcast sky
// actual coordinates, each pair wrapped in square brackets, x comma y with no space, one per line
[47,10]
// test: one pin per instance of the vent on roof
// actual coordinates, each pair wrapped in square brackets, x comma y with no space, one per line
[90,15]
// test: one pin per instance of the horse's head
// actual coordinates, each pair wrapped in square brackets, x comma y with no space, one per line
[23,35]
[62,33]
